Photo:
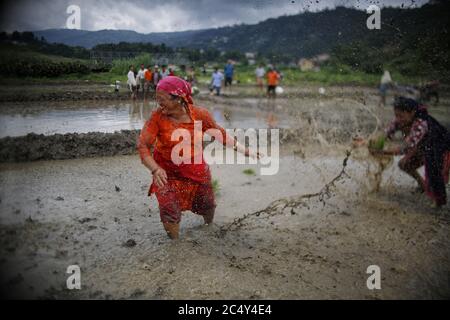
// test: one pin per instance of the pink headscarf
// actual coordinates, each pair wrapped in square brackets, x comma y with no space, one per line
[176,86]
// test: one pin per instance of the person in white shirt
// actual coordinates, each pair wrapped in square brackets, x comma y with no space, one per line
[260,72]
[140,78]
[216,81]
[132,82]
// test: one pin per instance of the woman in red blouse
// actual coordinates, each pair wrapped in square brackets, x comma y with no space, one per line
[186,185]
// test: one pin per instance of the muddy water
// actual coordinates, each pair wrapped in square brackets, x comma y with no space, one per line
[83,117]
[330,115]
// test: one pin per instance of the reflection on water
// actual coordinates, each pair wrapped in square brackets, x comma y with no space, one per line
[115,117]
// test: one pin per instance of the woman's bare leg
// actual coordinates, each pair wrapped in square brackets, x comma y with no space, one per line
[169,210]
[208,215]
[410,166]
[419,179]
[204,203]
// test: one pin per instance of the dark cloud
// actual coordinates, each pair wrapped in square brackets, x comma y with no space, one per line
[147,16]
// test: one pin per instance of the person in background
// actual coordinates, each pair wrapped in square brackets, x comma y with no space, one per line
[385,84]
[116,86]
[426,142]
[164,72]
[272,82]
[216,81]
[148,80]
[140,79]
[131,82]
[229,73]
[191,76]
[171,72]
[260,72]
[156,77]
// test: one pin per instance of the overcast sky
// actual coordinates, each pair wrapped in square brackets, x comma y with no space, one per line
[147,16]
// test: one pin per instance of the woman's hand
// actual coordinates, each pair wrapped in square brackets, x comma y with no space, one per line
[160,177]
[377,152]
[394,151]
[389,152]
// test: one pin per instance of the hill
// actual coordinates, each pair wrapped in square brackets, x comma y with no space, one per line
[302,35]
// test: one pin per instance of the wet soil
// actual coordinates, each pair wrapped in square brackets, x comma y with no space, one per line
[95,213]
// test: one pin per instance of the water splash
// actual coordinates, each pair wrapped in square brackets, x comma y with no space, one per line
[279,206]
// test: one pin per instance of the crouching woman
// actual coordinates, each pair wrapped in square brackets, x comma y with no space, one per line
[425,143]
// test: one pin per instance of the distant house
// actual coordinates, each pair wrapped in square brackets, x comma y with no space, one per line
[321,58]
[250,56]
[313,63]
[305,64]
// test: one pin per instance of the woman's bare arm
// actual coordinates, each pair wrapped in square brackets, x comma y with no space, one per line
[159,174]
[150,163]
[145,144]
[225,139]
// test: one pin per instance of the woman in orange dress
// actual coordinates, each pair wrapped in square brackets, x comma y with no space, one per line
[187,185]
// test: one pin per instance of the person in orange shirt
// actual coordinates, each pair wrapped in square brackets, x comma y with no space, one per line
[148,80]
[186,185]
[272,82]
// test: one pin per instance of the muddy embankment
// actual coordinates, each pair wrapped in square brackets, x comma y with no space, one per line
[63,91]
[33,147]
[80,95]
[97,92]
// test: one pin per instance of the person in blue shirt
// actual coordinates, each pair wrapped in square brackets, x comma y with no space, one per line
[229,72]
